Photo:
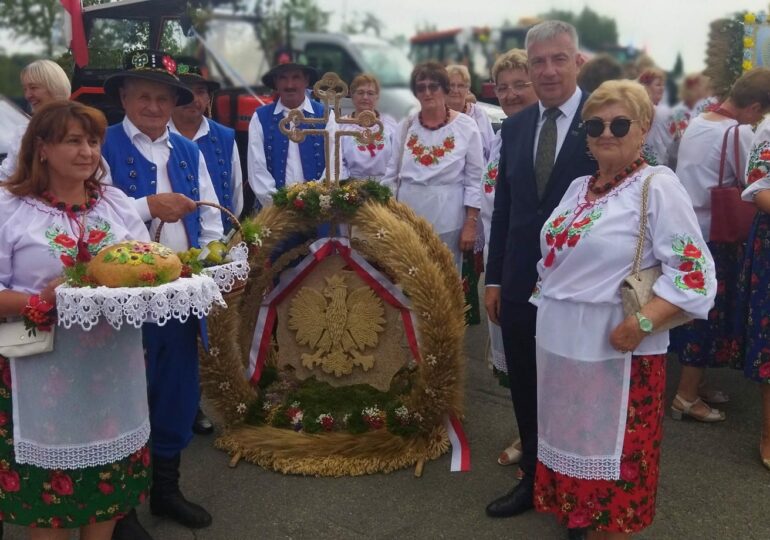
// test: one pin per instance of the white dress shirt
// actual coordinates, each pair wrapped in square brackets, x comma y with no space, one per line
[568,110]
[261,181]
[235,163]
[158,151]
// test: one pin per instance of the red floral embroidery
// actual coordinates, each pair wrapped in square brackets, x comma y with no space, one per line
[687,266]
[695,280]
[427,156]
[95,236]
[9,481]
[65,241]
[691,251]
[67,260]
[754,175]
[61,483]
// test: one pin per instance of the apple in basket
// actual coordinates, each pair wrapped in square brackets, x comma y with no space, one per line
[134,264]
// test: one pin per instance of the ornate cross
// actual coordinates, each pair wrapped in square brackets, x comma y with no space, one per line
[330,89]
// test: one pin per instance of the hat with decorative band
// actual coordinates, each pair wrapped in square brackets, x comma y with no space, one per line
[284,61]
[190,71]
[148,65]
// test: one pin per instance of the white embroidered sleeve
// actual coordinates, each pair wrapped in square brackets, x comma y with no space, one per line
[474,166]
[261,181]
[211,222]
[758,166]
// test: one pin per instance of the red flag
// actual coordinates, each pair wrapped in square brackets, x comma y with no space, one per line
[77,34]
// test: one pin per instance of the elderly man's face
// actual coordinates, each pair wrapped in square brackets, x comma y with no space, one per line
[553,67]
[148,105]
[291,85]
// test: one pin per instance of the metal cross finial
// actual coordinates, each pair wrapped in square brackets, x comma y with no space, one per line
[330,89]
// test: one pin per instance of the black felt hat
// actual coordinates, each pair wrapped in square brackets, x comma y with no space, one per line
[190,71]
[148,65]
[284,61]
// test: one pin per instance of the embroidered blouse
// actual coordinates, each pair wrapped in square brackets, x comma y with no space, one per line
[368,160]
[588,249]
[698,165]
[485,128]
[489,185]
[439,171]
[758,165]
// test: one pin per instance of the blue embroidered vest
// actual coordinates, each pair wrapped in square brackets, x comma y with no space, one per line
[311,150]
[137,176]
[217,147]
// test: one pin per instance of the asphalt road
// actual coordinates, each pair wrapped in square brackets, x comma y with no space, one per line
[713,485]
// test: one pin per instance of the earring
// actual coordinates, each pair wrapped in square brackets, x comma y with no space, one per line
[43,159]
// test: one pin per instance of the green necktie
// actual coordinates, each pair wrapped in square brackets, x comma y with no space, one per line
[546,150]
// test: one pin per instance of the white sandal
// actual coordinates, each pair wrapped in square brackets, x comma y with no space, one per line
[511,455]
[714,415]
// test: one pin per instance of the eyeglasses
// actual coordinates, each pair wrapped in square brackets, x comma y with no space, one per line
[365,93]
[461,86]
[425,87]
[516,88]
[618,126]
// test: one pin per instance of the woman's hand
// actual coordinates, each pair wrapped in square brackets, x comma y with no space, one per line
[468,235]
[48,294]
[627,336]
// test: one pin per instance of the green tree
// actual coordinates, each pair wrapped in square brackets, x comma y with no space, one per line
[595,31]
[31,19]
[279,19]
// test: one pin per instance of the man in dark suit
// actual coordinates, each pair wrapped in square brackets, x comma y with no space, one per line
[543,150]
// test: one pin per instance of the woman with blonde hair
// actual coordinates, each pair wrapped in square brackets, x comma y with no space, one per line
[461,99]
[43,81]
[658,140]
[601,371]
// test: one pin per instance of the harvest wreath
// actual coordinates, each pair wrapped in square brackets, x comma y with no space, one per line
[310,427]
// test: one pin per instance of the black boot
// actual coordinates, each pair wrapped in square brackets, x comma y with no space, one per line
[166,499]
[129,528]
[515,502]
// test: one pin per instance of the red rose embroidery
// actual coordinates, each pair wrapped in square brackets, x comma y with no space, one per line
[412,141]
[764,370]
[438,152]
[764,155]
[582,223]
[549,239]
[695,280]
[64,241]
[488,188]
[449,143]
[573,240]
[754,175]
[561,238]
[548,262]
[558,221]
[692,252]
[492,174]
[9,481]
[61,484]
[106,487]
[95,236]
[67,260]
[426,159]
[686,266]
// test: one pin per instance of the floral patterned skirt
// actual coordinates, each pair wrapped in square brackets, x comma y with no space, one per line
[714,342]
[753,310]
[626,505]
[37,497]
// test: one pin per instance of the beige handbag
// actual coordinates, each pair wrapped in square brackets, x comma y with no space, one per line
[636,289]
[16,342]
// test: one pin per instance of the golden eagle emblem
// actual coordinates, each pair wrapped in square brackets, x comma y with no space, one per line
[338,330]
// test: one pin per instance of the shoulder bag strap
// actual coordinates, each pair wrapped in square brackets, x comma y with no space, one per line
[722,157]
[404,133]
[737,150]
[642,226]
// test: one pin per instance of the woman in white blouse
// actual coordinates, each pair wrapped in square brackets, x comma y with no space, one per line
[74,423]
[461,100]
[437,162]
[711,138]
[658,140]
[601,373]
[363,159]
[43,81]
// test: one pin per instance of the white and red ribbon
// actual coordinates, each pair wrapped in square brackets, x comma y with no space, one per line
[461,452]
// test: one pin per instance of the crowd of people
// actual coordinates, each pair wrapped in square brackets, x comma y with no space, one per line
[590,180]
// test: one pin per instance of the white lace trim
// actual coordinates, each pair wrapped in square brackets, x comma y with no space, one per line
[136,305]
[82,456]
[228,273]
[585,468]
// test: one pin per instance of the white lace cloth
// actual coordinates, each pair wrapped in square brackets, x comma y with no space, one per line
[84,306]
[228,273]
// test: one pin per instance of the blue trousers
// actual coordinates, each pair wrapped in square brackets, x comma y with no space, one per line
[172,383]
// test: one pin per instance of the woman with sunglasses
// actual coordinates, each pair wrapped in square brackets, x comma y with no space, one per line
[438,161]
[514,90]
[601,374]
[461,99]
[362,159]
[708,147]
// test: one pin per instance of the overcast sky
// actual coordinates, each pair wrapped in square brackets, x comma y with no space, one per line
[663,27]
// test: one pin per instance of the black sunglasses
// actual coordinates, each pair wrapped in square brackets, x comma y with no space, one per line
[619,127]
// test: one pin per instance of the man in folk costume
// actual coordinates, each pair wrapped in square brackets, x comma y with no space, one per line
[166,174]
[273,160]
[543,150]
[217,142]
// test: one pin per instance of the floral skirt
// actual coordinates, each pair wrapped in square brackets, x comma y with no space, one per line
[714,342]
[626,505]
[753,311]
[36,497]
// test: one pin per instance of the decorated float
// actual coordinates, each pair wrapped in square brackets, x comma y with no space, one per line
[342,354]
